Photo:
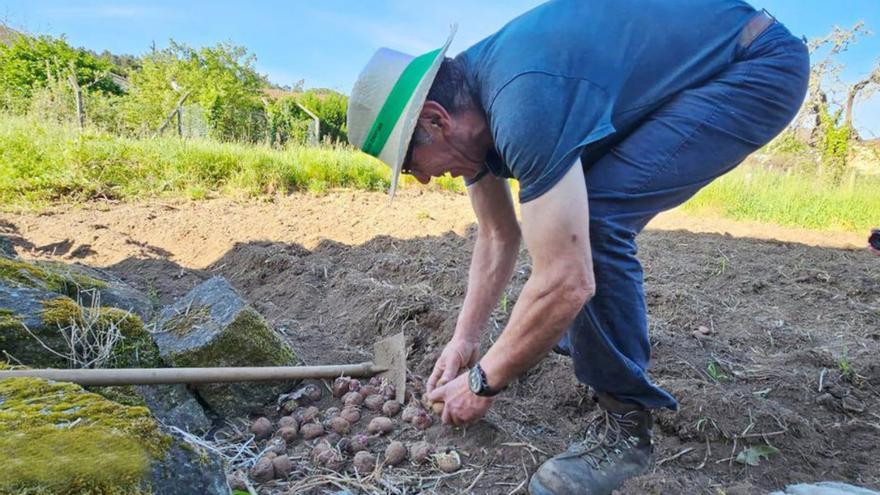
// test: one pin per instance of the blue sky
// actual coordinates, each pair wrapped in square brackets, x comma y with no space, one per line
[327,42]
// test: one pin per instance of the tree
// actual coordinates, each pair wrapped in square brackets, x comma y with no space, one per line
[222,82]
[29,64]
[825,78]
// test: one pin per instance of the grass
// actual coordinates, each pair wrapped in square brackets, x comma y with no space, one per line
[42,163]
[792,199]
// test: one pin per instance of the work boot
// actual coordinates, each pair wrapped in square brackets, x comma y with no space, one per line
[617,446]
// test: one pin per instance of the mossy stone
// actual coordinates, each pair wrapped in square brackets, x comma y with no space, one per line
[47,315]
[212,326]
[87,285]
[20,273]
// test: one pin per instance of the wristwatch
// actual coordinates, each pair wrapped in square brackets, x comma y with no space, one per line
[478,383]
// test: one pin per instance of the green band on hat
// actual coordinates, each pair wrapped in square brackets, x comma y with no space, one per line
[396,102]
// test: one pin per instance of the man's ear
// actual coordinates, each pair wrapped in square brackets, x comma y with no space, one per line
[434,118]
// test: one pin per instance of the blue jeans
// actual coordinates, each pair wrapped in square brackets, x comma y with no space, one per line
[693,138]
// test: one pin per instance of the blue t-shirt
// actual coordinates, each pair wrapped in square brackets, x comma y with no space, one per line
[565,79]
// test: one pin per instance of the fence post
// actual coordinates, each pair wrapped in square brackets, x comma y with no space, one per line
[180,121]
[316,138]
[173,113]
[77,91]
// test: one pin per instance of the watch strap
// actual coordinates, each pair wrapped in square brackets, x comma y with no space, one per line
[485,390]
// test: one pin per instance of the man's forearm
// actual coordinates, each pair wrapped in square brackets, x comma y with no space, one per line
[544,310]
[491,267]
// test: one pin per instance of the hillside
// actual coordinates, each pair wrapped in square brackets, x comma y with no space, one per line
[7,34]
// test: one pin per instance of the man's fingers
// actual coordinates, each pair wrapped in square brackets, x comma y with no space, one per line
[447,416]
[437,395]
[449,374]
[435,375]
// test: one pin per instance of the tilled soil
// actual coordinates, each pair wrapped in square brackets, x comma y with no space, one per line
[763,342]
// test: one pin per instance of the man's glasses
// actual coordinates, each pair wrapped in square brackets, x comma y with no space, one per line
[406,169]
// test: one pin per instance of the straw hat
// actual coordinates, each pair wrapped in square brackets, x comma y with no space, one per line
[386,101]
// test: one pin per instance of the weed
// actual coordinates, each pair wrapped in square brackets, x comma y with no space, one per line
[152,294]
[715,372]
[90,337]
[844,366]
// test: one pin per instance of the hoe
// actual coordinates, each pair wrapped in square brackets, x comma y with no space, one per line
[389,363]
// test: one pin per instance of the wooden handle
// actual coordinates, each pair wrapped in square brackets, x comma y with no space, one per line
[152,376]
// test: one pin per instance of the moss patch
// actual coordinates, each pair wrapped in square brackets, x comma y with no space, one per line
[56,438]
[122,394]
[136,348]
[86,461]
[23,274]
[9,322]
[184,323]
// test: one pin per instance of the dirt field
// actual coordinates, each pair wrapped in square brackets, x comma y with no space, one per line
[763,341]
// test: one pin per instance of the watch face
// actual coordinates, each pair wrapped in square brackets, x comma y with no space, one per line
[475,380]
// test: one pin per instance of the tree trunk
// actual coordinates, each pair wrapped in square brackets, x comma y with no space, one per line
[850,103]
[818,107]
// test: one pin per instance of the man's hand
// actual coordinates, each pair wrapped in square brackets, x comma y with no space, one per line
[459,353]
[460,405]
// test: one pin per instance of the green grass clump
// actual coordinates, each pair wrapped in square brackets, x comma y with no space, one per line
[792,199]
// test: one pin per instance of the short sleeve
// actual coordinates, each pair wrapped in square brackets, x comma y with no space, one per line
[541,122]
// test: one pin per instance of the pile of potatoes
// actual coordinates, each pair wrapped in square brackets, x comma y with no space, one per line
[351,432]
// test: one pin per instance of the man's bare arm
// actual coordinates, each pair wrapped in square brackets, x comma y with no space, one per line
[555,227]
[494,257]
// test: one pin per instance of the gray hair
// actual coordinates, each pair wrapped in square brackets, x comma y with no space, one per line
[450,88]
[451,91]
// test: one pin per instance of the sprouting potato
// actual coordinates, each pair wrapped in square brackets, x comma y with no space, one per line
[261,428]
[311,430]
[448,462]
[374,402]
[395,453]
[391,408]
[421,452]
[380,425]
[364,462]
[352,414]
[339,425]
